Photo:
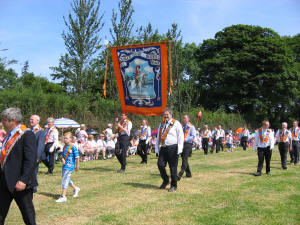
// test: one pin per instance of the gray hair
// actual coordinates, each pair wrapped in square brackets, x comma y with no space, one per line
[284,123]
[12,114]
[50,119]
[169,110]
[109,125]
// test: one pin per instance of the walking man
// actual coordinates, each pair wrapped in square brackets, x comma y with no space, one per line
[124,128]
[18,157]
[264,144]
[244,135]
[284,138]
[145,136]
[169,144]
[206,135]
[294,148]
[189,132]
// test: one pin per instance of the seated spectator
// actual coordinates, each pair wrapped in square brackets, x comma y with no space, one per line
[101,146]
[152,144]
[110,146]
[90,147]
[133,145]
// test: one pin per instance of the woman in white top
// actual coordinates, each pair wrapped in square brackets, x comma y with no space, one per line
[90,147]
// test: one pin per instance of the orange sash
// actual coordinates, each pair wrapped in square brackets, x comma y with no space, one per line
[68,152]
[48,134]
[261,137]
[283,137]
[144,132]
[162,137]
[124,124]
[10,143]
[205,133]
[244,131]
[186,131]
[37,129]
[294,134]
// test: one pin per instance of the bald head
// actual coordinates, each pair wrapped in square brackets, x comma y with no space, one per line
[284,125]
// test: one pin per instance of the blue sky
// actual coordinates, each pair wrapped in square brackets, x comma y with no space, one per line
[31,29]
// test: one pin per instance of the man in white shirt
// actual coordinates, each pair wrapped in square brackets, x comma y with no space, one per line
[169,145]
[205,134]
[220,137]
[145,137]
[51,142]
[244,135]
[214,134]
[284,139]
[295,145]
[124,128]
[264,144]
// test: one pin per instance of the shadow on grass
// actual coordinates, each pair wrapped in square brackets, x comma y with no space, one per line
[54,196]
[139,185]
[98,168]
[155,174]
[245,173]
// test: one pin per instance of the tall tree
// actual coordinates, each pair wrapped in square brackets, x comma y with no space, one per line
[122,23]
[248,69]
[82,41]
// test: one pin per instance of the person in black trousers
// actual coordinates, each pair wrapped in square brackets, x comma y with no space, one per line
[295,146]
[244,135]
[40,141]
[206,134]
[264,144]
[145,136]
[124,128]
[51,143]
[284,138]
[17,168]
[169,144]
[189,133]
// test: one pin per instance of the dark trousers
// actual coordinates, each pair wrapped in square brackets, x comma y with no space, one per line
[264,153]
[244,142]
[49,163]
[121,149]
[142,150]
[219,144]
[186,153]
[205,145]
[23,200]
[283,150]
[168,155]
[295,152]
[214,145]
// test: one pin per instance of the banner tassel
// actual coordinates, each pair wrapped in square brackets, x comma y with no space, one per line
[105,75]
[170,66]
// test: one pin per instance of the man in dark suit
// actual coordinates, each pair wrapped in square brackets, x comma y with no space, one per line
[18,159]
[40,141]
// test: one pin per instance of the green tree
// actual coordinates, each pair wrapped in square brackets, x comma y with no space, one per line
[122,23]
[248,69]
[82,41]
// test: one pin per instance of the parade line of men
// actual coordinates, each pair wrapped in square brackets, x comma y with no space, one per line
[23,149]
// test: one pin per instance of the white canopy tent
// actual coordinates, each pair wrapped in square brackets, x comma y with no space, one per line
[66,123]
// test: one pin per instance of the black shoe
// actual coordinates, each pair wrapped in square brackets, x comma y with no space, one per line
[295,164]
[178,178]
[268,173]
[257,174]
[142,162]
[187,176]
[284,168]
[121,171]
[172,189]
[47,173]
[163,185]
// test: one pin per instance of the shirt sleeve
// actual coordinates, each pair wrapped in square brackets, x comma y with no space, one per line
[180,137]
[278,136]
[272,141]
[76,152]
[129,127]
[56,142]
[256,141]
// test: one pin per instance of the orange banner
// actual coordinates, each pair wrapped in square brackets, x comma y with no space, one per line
[141,73]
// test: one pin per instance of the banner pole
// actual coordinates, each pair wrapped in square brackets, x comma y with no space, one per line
[178,80]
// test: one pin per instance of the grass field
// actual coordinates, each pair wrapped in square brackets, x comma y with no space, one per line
[222,191]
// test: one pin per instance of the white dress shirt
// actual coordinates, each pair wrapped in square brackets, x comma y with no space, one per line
[270,142]
[206,134]
[147,134]
[175,136]
[52,135]
[221,133]
[127,128]
[284,132]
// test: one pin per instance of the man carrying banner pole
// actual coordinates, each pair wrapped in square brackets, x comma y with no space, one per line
[124,128]
[169,145]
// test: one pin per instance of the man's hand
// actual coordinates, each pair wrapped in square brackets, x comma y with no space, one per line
[20,186]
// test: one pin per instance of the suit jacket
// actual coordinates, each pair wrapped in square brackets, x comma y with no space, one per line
[40,143]
[21,163]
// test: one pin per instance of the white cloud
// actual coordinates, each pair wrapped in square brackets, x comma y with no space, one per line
[139,62]
[148,69]
[129,70]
